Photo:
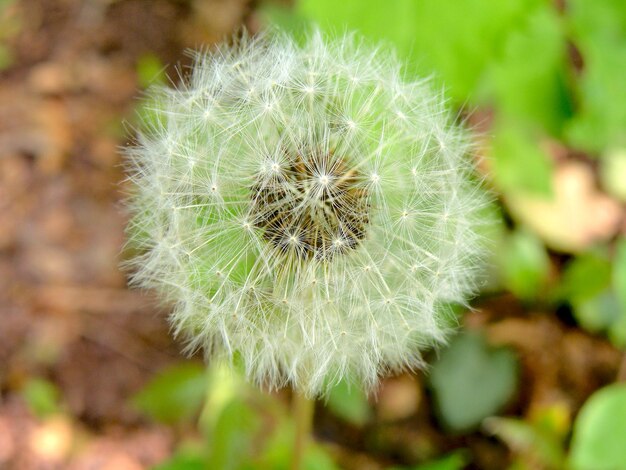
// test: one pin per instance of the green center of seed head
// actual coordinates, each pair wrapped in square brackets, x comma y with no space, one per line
[315,206]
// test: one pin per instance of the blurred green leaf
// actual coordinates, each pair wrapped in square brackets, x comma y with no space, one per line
[524,264]
[529,78]
[318,459]
[617,332]
[613,173]
[286,19]
[598,313]
[392,21]
[585,277]
[619,272]
[553,419]
[277,453]
[278,445]
[530,442]
[519,165]
[183,461]
[596,290]
[455,39]
[224,385]
[232,439]
[599,434]
[174,395]
[472,381]
[585,285]
[42,397]
[453,461]
[599,31]
[10,25]
[349,403]
[150,70]
[6,58]
[601,121]
[605,20]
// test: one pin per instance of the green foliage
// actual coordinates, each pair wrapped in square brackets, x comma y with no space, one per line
[619,273]
[317,459]
[472,381]
[613,173]
[595,287]
[599,30]
[230,425]
[600,430]
[278,451]
[223,387]
[454,461]
[232,438]
[175,395]
[150,70]
[349,403]
[42,397]
[10,26]
[285,19]
[457,40]
[519,165]
[617,332]
[512,53]
[599,312]
[5,57]
[529,78]
[183,461]
[585,277]
[524,264]
[240,427]
[537,441]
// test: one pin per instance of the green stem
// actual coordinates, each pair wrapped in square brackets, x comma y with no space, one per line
[621,373]
[302,410]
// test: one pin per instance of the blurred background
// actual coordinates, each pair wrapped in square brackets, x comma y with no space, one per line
[90,377]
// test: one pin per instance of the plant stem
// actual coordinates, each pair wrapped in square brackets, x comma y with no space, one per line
[302,410]
[621,373]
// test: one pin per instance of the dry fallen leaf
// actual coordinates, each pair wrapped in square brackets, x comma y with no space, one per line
[575,217]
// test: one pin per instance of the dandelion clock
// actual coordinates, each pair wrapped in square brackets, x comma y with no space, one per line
[306,210]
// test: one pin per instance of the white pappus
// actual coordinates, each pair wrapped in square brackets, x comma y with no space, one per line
[305,209]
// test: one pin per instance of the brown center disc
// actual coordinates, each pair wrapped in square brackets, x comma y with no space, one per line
[316,207]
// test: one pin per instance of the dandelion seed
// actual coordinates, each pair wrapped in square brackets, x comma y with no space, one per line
[341,229]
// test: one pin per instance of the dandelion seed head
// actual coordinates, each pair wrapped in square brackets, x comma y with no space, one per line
[306,209]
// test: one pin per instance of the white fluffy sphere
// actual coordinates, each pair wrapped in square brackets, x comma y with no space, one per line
[306,210]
